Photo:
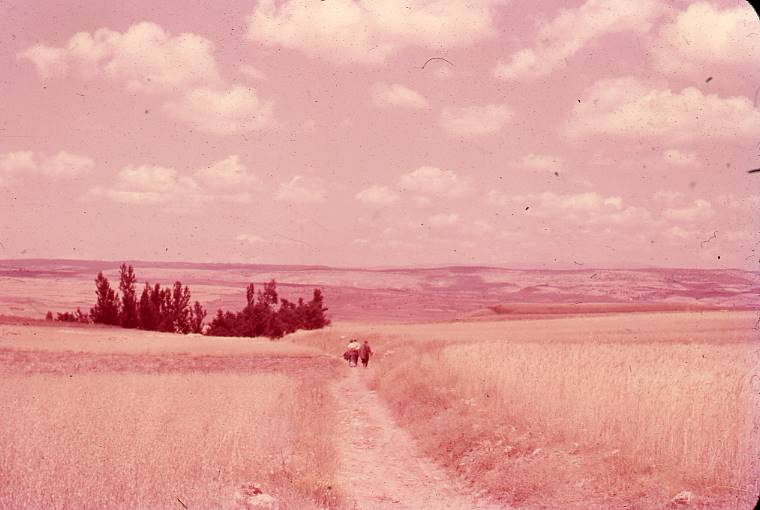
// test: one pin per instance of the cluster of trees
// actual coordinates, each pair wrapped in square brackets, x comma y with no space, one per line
[262,317]
[158,309]
[168,309]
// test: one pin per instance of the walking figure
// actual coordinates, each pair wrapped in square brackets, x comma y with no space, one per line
[352,354]
[365,351]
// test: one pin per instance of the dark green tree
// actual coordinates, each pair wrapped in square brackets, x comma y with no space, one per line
[179,308]
[198,313]
[128,313]
[106,310]
[147,310]
[314,312]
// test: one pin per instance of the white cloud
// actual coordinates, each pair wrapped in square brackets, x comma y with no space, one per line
[149,178]
[572,30]
[18,162]
[377,195]
[580,208]
[228,174]
[65,165]
[628,106]
[368,31]
[227,181]
[698,211]
[585,201]
[251,72]
[301,190]
[434,181]
[385,95]
[250,238]
[705,36]
[47,60]
[680,234]
[62,165]
[542,162]
[144,58]
[471,121]
[667,196]
[678,158]
[127,197]
[235,110]
[443,220]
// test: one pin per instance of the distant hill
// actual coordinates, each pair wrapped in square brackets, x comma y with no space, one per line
[31,287]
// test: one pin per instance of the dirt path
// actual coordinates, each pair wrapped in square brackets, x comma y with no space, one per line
[380,466]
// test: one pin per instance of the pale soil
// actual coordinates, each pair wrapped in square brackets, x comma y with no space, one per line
[380,466]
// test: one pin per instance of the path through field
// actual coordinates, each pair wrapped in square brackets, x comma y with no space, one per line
[380,466]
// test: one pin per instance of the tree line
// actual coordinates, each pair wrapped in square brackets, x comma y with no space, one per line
[262,316]
[168,309]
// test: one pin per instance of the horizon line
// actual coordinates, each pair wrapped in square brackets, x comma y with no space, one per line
[573,266]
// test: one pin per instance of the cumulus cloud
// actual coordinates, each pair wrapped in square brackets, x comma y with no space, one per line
[388,95]
[251,72]
[628,106]
[680,234]
[301,190]
[149,178]
[668,197]
[377,195]
[542,162]
[699,210]
[59,166]
[250,238]
[226,180]
[18,162]
[145,58]
[228,174]
[580,208]
[704,36]
[572,30]
[367,31]
[235,110]
[472,121]
[434,181]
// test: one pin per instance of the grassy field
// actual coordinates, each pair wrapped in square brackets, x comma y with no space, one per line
[138,426]
[581,412]
[585,412]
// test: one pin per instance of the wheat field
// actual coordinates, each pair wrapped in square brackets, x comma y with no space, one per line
[103,418]
[633,407]
[143,441]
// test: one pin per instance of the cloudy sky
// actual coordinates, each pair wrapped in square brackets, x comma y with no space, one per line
[357,132]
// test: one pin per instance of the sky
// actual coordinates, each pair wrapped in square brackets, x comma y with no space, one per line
[597,133]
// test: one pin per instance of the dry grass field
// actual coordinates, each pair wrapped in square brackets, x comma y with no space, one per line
[107,418]
[581,412]
[532,404]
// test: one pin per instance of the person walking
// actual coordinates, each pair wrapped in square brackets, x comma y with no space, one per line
[365,351]
[353,352]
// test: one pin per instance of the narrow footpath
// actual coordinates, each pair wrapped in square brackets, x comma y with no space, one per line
[380,466]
